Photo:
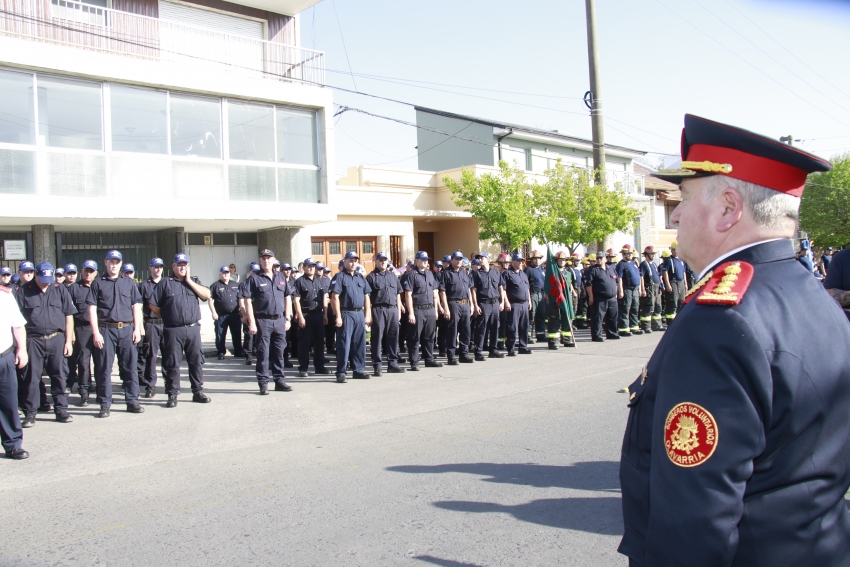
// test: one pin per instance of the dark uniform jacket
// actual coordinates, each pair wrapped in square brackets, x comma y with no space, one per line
[146,291]
[675,265]
[352,289]
[45,311]
[81,297]
[627,270]
[602,280]
[114,299]
[487,283]
[385,288]
[516,285]
[177,302]
[311,294]
[737,448]
[421,285]
[649,272]
[456,283]
[225,297]
[535,278]
[267,295]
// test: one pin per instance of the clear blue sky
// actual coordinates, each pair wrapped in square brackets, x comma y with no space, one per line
[777,67]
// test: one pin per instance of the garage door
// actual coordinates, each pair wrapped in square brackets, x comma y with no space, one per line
[198,17]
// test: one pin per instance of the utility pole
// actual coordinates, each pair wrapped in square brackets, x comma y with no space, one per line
[789,139]
[595,94]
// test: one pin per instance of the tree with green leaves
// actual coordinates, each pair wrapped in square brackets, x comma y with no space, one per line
[825,206]
[572,210]
[501,204]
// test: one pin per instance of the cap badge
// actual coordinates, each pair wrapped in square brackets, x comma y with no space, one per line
[690,435]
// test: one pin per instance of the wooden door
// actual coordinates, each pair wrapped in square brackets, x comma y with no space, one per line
[395,250]
[426,243]
[331,249]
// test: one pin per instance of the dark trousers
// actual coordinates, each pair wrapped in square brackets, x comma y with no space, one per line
[177,341]
[537,315]
[116,342]
[581,309]
[11,433]
[148,351]
[249,346]
[628,309]
[228,321]
[384,334]
[442,334]
[291,343]
[45,355]
[330,333]
[420,337]
[271,342]
[351,342]
[650,308]
[504,317]
[313,334]
[487,325]
[603,310]
[79,365]
[674,299]
[458,330]
[518,325]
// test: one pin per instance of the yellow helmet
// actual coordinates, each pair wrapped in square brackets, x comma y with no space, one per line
[674,245]
[665,253]
[591,257]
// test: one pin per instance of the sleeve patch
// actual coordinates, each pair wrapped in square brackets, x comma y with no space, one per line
[690,435]
[727,285]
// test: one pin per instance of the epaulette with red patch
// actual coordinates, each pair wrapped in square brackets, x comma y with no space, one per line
[726,284]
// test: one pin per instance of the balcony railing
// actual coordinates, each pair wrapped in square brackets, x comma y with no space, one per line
[130,35]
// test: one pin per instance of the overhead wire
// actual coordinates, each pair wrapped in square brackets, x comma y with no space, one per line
[344,49]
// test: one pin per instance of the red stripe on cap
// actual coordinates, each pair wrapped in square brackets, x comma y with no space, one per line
[762,171]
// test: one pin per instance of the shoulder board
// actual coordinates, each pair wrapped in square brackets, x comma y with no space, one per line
[727,284]
[698,286]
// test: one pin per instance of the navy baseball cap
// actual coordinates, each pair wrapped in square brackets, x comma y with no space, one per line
[438,264]
[44,272]
[447,258]
[410,264]
[60,271]
[266,252]
[422,255]
[114,255]
[156,262]
[482,255]
[26,266]
[285,266]
[71,269]
[309,262]
[516,257]
[351,254]
[128,268]
[16,278]
[381,256]
[224,270]
[5,271]
[320,266]
[178,258]
[276,262]
[90,264]
[457,255]
[254,267]
[341,263]
[476,262]
[829,248]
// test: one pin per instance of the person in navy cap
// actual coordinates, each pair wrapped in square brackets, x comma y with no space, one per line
[292,333]
[330,325]
[630,290]
[518,293]
[442,332]
[268,301]
[225,312]
[13,355]
[71,274]
[825,260]
[59,275]
[350,297]
[175,300]
[26,273]
[310,301]
[385,301]
[128,271]
[115,314]
[152,341]
[456,299]
[249,346]
[422,298]
[488,299]
[537,313]
[79,364]
[737,443]
[5,276]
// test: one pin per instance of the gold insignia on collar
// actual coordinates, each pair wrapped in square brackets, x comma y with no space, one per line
[707,166]
[698,286]
[728,285]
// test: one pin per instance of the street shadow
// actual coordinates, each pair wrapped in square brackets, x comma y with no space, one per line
[600,476]
[601,515]
[444,562]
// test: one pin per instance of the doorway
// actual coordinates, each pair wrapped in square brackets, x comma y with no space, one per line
[426,243]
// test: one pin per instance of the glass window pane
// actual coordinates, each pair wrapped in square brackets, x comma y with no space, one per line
[195,127]
[246,238]
[251,131]
[17,171]
[368,247]
[223,238]
[351,246]
[298,185]
[252,183]
[296,136]
[318,249]
[138,120]
[198,238]
[69,114]
[333,248]
[17,119]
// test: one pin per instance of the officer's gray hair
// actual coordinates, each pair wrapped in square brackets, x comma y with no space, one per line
[769,208]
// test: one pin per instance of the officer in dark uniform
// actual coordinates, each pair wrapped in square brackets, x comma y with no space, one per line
[600,283]
[385,301]
[518,294]
[456,298]
[26,273]
[13,354]
[672,271]
[404,324]
[268,302]
[151,343]
[79,364]
[826,260]
[225,296]
[330,326]
[175,300]
[49,313]
[629,292]
[70,275]
[128,271]
[537,311]
[650,303]
[737,443]
[421,296]
[310,301]
[59,275]
[442,322]
[5,277]
[350,296]
[488,299]
[115,314]
[248,345]
[502,264]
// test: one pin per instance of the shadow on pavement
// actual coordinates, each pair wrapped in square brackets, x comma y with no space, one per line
[592,475]
[594,515]
[444,562]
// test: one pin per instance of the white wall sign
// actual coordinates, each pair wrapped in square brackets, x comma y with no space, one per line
[14,249]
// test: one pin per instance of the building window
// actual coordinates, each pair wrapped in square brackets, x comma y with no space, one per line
[223,239]
[298,185]
[251,131]
[317,249]
[69,114]
[195,126]
[198,239]
[351,246]
[368,247]
[246,238]
[333,249]
[17,123]
[296,136]
[251,183]
[139,121]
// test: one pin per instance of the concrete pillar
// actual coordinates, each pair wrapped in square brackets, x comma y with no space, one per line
[279,241]
[43,243]
[169,241]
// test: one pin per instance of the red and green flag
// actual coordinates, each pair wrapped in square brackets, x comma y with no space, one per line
[558,287]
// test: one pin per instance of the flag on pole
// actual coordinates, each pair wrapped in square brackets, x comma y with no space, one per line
[558,289]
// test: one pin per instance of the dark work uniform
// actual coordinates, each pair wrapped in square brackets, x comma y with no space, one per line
[675,269]
[442,332]
[385,326]
[11,432]
[839,274]
[628,272]
[404,323]
[114,299]
[537,313]
[225,298]
[420,336]
[517,290]
[650,306]
[79,365]
[352,289]
[268,296]
[504,316]
[459,329]
[487,285]
[602,281]
[581,309]
[311,293]
[248,347]
[767,487]
[181,333]
[45,313]
[152,341]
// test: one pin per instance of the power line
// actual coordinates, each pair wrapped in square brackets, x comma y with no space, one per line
[344,49]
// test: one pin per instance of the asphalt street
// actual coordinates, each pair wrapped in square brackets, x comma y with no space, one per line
[503,462]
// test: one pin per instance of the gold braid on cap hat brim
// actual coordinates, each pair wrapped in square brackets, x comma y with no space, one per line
[707,166]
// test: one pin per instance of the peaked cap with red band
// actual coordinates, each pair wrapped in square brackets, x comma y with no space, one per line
[712,148]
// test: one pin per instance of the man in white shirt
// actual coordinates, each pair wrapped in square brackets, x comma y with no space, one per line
[12,353]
